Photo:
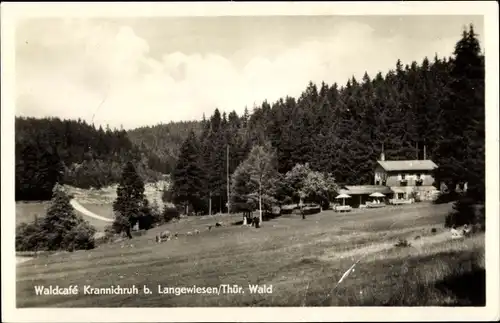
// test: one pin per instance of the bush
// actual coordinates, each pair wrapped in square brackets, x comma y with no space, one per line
[29,237]
[447,197]
[170,213]
[465,211]
[146,222]
[287,210]
[79,237]
[60,229]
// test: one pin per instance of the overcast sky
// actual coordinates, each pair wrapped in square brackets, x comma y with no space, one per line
[135,72]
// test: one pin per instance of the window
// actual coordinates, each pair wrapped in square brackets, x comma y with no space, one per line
[419,180]
[403,180]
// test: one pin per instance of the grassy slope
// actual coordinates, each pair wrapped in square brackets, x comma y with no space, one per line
[97,201]
[25,212]
[302,259]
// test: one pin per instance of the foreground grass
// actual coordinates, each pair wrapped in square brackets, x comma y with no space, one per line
[301,259]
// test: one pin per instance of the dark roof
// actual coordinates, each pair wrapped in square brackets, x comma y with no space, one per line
[398,165]
[364,189]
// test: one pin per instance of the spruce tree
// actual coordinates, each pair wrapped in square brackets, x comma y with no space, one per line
[63,229]
[187,186]
[461,150]
[130,200]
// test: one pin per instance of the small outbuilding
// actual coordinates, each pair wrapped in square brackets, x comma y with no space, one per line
[361,193]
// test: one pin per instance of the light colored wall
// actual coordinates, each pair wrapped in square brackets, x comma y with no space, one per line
[379,174]
[393,179]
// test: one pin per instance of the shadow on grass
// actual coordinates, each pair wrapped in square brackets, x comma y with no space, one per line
[469,288]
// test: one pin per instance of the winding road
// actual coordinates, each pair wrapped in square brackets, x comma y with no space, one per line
[78,207]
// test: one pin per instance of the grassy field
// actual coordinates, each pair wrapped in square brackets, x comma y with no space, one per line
[26,212]
[301,259]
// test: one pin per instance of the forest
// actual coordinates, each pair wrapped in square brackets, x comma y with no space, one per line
[336,129]
[51,150]
[339,130]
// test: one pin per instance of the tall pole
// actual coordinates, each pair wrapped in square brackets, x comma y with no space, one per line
[227,179]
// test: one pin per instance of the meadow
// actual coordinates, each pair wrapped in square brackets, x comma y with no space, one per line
[26,212]
[301,259]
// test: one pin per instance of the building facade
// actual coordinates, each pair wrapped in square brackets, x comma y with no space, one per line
[406,178]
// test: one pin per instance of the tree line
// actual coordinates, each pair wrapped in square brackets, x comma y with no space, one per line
[336,129]
[340,130]
[51,150]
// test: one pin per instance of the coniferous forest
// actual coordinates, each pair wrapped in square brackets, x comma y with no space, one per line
[335,128]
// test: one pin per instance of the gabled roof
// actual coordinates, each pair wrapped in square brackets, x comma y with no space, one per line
[414,165]
[364,189]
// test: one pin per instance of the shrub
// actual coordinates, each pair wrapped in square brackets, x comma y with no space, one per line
[146,222]
[60,229]
[170,213]
[287,210]
[29,237]
[447,197]
[79,237]
[465,211]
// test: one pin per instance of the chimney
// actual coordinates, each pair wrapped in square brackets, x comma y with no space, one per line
[382,155]
[425,155]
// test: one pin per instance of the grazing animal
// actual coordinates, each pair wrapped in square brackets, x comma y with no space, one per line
[165,235]
[189,233]
[218,224]
[176,234]
[196,231]
[417,237]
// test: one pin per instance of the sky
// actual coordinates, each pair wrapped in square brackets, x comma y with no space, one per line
[133,72]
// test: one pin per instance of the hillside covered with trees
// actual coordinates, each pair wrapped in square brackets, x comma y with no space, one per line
[51,150]
[164,141]
[339,130]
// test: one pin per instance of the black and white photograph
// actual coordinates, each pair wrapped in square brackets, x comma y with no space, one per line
[271,161]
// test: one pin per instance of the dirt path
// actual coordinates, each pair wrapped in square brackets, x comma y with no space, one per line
[20,260]
[77,206]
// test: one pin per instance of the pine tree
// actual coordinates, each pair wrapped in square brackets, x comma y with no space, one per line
[461,151]
[130,200]
[63,229]
[187,179]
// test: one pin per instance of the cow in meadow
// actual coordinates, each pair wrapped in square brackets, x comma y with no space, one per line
[164,236]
